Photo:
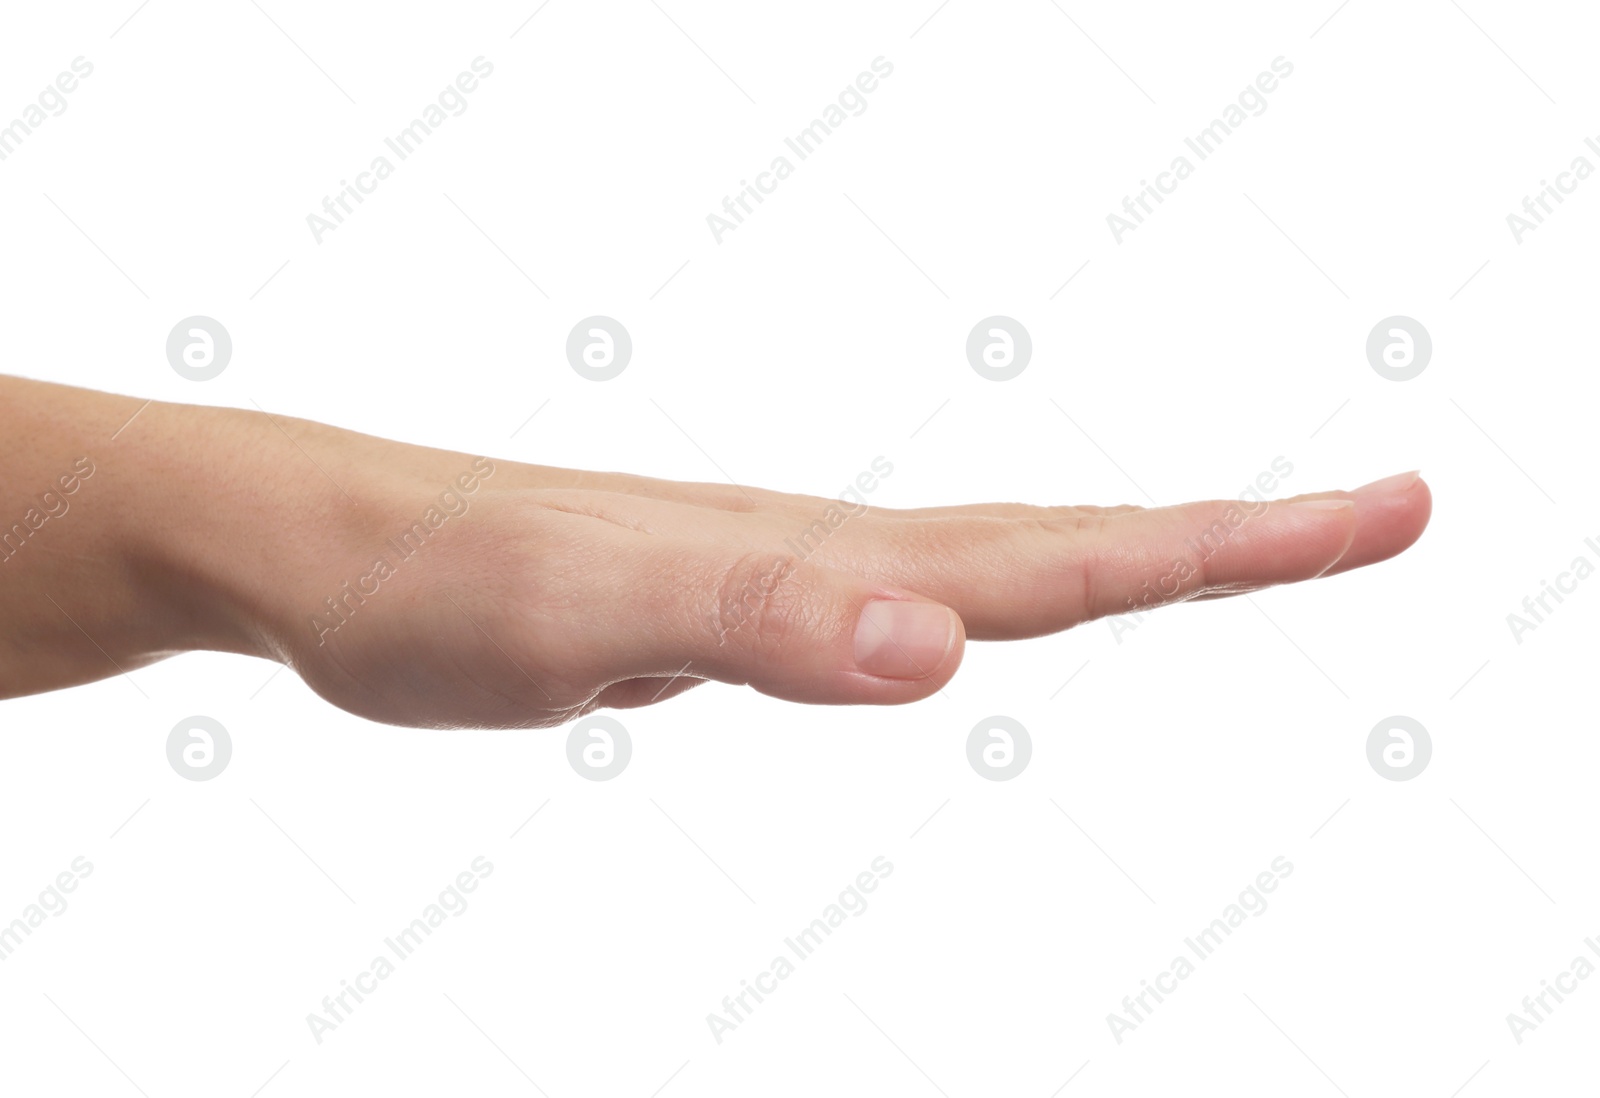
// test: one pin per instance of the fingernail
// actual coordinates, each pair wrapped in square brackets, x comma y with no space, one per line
[903,640]
[1397,483]
[1324,504]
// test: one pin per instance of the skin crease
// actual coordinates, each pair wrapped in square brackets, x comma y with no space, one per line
[556,592]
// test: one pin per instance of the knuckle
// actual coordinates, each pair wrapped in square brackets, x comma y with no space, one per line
[1075,522]
[1079,561]
[758,602]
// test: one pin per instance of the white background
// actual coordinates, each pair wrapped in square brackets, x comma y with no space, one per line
[826,331]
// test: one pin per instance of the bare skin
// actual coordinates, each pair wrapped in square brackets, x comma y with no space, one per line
[515,595]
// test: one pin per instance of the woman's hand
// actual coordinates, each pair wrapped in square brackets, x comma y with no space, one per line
[425,587]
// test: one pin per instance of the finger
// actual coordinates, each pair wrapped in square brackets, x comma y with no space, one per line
[1009,579]
[1390,516]
[1029,511]
[787,627]
[742,498]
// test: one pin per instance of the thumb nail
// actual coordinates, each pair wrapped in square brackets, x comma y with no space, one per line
[903,640]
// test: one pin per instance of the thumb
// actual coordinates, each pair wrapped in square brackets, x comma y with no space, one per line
[789,628]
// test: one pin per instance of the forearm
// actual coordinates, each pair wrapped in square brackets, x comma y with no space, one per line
[132,530]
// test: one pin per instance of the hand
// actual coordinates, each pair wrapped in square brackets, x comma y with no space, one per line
[430,588]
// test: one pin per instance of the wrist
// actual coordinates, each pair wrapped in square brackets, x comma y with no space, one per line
[228,520]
